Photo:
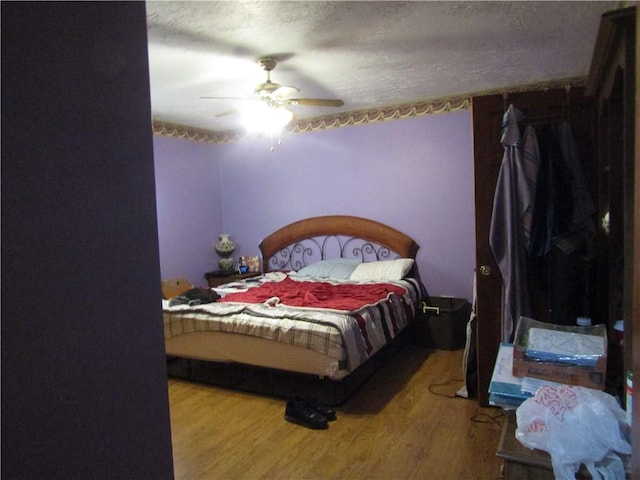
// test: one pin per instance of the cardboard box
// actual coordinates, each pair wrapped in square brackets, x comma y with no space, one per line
[567,370]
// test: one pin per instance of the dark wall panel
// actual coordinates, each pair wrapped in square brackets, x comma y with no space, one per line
[84,391]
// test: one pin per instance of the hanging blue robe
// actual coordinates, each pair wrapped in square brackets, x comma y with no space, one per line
[511,217]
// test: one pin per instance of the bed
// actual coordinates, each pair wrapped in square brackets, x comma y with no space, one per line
[335,293]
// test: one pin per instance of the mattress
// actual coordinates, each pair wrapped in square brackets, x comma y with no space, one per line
[322,341]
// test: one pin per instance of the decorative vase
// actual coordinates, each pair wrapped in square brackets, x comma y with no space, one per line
[226,264]
[225,248]
[225,245]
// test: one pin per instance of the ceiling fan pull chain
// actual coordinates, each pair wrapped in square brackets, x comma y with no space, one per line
[272,148]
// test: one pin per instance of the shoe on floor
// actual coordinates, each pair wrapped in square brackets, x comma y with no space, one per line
[298,411]
[319,407]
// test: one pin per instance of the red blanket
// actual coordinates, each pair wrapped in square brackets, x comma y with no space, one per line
[317,294]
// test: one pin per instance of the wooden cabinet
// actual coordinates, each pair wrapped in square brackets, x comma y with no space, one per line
[613,84]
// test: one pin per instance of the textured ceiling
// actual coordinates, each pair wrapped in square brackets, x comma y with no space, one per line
[369,54]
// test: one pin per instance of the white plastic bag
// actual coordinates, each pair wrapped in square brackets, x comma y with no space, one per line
[575,425]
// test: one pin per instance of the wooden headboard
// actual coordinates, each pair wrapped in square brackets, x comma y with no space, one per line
[297,244]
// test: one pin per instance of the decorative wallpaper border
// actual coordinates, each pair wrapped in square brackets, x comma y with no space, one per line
[362,117]
[382,114]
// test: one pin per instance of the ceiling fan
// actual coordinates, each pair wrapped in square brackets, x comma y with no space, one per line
[276,95]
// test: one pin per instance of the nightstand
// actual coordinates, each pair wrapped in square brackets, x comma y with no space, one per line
[219,277]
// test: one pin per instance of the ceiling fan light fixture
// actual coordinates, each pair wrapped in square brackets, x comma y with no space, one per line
[281,117]
[266,89]
[269,114]
[265,118]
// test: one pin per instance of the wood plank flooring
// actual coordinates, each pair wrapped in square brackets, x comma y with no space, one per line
[404,423]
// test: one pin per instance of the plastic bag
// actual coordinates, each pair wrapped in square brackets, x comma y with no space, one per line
[575,425]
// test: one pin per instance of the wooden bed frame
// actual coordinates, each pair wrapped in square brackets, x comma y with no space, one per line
[291,248]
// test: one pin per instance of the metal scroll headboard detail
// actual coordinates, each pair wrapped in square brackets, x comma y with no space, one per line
[311,250]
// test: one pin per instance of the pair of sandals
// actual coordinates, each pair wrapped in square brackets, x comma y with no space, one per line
[310,413]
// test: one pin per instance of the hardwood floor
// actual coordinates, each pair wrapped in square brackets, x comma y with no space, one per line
[404,423]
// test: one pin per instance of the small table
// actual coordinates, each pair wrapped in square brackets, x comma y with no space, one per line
[521,463]
[220,277]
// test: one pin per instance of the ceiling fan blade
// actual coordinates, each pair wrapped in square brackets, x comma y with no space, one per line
[228,98]
[228,112]
[316,102]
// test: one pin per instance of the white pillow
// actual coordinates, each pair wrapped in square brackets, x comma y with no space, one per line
[383,270]
[340,268]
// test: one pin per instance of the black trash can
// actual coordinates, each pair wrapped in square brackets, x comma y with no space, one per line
[441,323]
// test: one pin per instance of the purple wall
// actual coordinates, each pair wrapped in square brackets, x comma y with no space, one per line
[415,175]
[188,199]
